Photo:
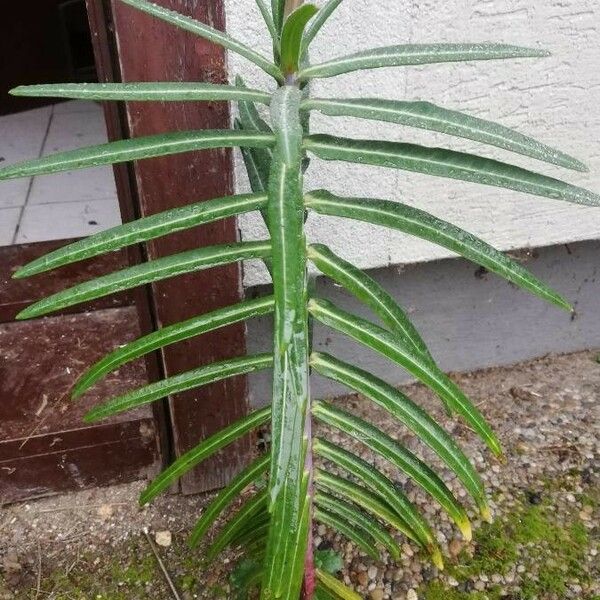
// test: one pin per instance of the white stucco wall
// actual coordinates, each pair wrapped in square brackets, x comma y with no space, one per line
[555,99]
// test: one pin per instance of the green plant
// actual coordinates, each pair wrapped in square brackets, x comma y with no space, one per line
[275,522]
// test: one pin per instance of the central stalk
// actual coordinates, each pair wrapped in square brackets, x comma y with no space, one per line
[290,482]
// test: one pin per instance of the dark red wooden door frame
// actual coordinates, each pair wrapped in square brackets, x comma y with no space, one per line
[150,50]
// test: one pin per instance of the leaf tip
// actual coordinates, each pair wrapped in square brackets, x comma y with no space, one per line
[465,529]
[436,558]
[91,416]
[26,313]
[21,273]
[77,391]
[486,514]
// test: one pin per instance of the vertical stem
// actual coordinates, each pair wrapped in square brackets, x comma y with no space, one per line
[291,461]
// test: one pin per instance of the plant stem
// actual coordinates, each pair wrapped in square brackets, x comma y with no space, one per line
[291,461]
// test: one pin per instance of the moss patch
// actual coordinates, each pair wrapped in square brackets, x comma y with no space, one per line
[552,551]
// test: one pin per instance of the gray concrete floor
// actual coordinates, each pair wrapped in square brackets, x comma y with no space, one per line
[62,205]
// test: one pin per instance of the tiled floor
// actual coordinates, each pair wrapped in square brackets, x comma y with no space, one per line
[62,205]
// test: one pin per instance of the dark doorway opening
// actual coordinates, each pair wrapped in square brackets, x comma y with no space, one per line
[48,40]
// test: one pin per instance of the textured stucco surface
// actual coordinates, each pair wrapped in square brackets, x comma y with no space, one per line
[555,99]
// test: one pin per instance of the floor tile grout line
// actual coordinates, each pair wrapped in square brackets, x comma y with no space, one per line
[30,186]
[77,201]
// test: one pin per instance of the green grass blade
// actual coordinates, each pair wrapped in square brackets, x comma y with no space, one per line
[335,588]
[363,497]
[227,495]
[398,455]
[243,518]
[367,290]
[373,479]
[203,450]
[180,383]
[424,225]
[358,520]
[411,415]
[416,54]
[176,91]
[170,335]
[425,115]
[349,530]
[291,36]
[163,144]
[317,23]
[208,33]
[441,162]
[286,548]
[155,270]
[145,229]
[384,343]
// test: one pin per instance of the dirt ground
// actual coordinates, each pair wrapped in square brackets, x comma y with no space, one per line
[543,545]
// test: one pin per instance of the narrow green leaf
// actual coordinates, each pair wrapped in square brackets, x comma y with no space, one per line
[278,10]
[367,290]
[145,229]
[155,270]
[249,115]
[424,225]
[227,495]
[356,519]
[257,160]
[373,479]
[203,450]
[409,413]
[322,594]
[170,335]
[159,91]
[209,33]
[317,23]
[150,146]
[349,530]
[365,498]
[291,36]
[268,19]
[256,165]
[334,587]
[253,538]
[289,503]
[441,162]
[245,517]
[398,455]
[384,343]
[180,383]
[425,115]
[416,54]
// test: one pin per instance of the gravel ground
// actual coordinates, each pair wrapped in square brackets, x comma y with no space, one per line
[543,543]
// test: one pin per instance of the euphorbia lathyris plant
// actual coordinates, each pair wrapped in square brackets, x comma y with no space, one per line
[309,479]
